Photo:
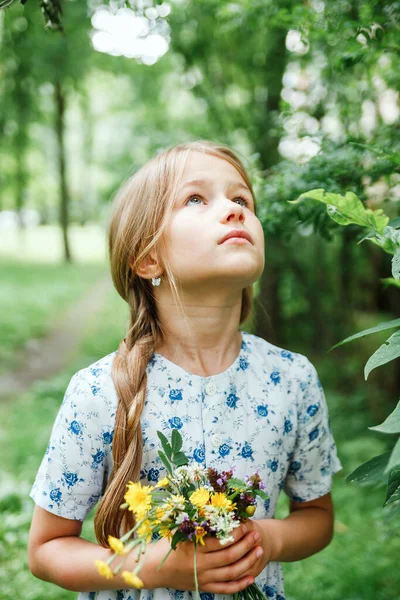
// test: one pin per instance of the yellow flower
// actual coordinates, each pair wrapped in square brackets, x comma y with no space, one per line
[160,512]
[219,500]
[200,532]
[200,497]
[103,569]
[132,579]
[116,545]
[165,533]
[162,483]
[138,498]
[145,531]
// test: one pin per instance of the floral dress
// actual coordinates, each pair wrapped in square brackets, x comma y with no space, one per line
[267,411]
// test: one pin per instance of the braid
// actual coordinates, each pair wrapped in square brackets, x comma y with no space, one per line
[130,380]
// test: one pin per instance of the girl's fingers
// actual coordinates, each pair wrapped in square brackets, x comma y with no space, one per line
[213,544]
[233,553]
[239,569]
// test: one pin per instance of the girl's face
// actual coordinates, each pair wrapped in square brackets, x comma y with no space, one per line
[213,200]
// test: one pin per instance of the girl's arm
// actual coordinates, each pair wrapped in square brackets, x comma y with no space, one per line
[57,554]
[307,530]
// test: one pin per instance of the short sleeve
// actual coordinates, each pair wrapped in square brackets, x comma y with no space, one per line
[70,478]
[314,460]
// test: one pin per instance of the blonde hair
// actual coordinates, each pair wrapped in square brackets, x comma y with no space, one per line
[136,226]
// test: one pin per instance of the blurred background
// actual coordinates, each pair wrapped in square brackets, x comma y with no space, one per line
[308,94]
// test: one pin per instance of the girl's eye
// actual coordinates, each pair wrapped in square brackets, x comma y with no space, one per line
[191,198]
[243,200]
[245,203]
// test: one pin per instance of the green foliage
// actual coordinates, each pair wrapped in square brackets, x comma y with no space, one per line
[370,472]
[387,352]
[391,423]
[347,210]
[360,334]
[172,456]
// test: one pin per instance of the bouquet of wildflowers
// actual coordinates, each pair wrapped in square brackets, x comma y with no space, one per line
[190,503]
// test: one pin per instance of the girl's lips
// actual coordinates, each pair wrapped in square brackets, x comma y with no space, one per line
[236,234]
[236,240]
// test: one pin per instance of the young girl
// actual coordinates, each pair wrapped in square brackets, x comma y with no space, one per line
[185,248]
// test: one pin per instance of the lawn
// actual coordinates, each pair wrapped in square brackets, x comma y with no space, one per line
[36,286]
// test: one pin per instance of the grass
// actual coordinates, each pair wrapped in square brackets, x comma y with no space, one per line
[33,297]
[24,433]
[361,563]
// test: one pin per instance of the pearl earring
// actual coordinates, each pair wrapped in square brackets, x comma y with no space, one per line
[156,281]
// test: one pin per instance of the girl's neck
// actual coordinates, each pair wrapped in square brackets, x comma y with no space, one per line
[207,342]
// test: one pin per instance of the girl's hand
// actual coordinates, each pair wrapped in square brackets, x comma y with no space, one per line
[220,569]
[266,543]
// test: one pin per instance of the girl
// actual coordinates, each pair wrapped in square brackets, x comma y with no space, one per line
[185,248]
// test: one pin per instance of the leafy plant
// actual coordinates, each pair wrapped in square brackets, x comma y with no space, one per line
[346,210]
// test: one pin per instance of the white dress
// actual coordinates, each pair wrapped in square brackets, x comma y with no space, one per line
[267,411]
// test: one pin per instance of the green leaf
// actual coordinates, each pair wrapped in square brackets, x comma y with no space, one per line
[176,441]
[380,327]
[165,444]
[165,461]
[395,223]
[236,483]
[370,472]
[180,459]
[394,457]
[393,488]
[347,209]
[391,281]
[396,265]
[387,244]
[391,424]
[261,493]
[178,536]
[385,353]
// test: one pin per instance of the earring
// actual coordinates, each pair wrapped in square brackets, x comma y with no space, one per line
[156,281]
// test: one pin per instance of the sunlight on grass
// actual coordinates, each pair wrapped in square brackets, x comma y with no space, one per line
[44,244]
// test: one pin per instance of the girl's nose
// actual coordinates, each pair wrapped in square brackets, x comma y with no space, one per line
[233,212]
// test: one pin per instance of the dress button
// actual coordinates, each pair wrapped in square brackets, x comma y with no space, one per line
[211,388]
[216,440]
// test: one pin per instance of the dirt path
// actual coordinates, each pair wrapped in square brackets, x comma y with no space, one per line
[41,359]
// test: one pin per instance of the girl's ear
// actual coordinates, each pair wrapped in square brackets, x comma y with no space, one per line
[149,267]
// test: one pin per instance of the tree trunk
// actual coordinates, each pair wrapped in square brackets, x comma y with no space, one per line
[64,197]
[267,146]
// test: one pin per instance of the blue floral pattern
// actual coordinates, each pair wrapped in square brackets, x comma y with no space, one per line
[267,411]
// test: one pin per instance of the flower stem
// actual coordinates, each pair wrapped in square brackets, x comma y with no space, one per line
[195,571]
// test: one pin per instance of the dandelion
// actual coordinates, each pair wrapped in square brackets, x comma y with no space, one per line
[116,545]
[162,483]
[103,569]
[219,500]
[132,580]
[200,497]
[138,498]
[145,530]
[165,532]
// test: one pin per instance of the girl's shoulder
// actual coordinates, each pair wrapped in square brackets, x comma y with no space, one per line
[268,355]
[93,385]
